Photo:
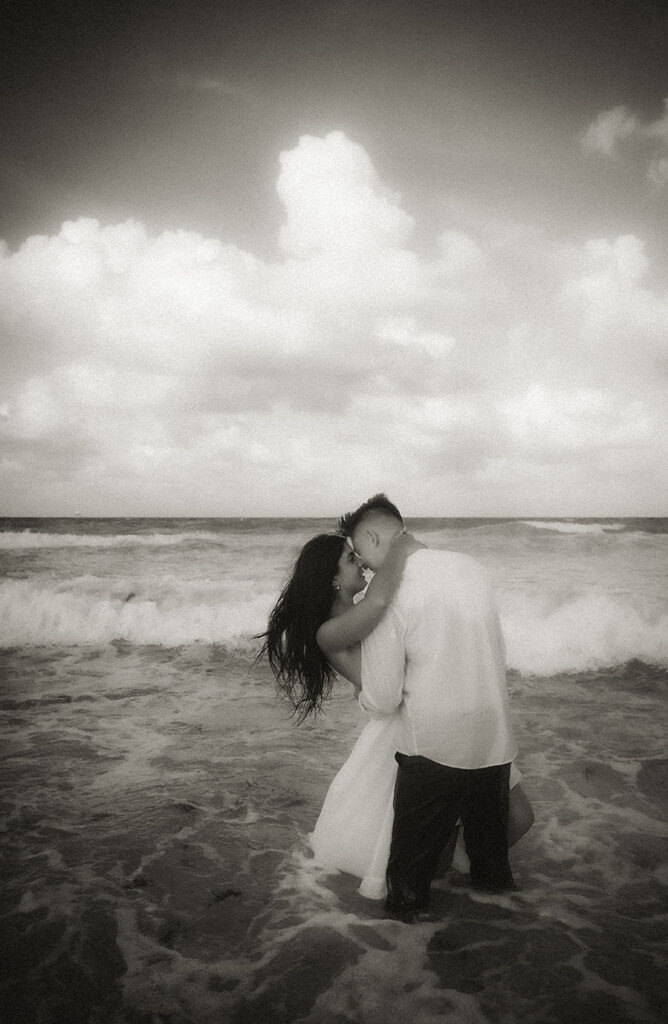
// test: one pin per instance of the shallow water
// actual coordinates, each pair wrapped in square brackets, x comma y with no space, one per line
[155,812]
[156,797]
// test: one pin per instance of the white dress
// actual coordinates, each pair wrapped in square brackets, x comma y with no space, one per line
[354,828]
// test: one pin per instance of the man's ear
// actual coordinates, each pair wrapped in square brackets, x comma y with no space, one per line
[373,536]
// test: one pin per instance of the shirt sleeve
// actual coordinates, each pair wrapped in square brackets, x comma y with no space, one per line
[383,665]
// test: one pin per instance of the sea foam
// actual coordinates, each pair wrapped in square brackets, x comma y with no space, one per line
[17,540]
[577,634]
[587,632]
[53,614]
[567,526]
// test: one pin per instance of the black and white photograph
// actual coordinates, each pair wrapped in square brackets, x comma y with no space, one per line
[334,512]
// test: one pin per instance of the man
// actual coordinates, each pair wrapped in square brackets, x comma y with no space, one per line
[438,656]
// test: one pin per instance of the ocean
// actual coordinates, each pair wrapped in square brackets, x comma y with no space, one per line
[157,796]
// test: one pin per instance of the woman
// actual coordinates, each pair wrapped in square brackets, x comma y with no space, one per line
[315,628]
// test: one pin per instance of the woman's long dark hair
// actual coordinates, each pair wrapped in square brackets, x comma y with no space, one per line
[302,672]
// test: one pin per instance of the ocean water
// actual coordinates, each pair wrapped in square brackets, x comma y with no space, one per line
[156,795]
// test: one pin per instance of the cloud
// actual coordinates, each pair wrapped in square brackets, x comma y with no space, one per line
[611,128]
[202,82]
[619,315]
[657,172]
[404,332]
[208,83]
[335,202]
[557,423]
[183,374]
[618,131]
[459,252]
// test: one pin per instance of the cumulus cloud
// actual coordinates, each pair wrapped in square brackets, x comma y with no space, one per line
[618,131]
[335,202]
[618,313]
[206,379]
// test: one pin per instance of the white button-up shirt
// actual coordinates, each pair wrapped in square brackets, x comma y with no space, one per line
[438,656]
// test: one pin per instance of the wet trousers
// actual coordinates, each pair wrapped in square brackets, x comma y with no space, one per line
[429,798]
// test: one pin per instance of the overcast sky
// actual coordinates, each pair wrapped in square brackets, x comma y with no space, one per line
[270,258]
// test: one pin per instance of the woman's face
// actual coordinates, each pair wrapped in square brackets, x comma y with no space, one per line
[349,574]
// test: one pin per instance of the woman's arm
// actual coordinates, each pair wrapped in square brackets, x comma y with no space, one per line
[353,625]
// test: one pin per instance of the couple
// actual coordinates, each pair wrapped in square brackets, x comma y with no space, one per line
[424,652]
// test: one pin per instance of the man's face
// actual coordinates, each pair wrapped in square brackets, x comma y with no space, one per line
[366,546]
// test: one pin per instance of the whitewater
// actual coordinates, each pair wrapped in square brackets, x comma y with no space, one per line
[573,595]
[158,797]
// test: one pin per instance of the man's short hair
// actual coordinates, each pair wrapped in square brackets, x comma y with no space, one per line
[379,504]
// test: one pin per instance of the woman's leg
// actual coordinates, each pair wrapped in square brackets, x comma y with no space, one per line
[520,814]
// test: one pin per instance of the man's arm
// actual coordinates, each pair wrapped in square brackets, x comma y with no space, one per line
[383,666]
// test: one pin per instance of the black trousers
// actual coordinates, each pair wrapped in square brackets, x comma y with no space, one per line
[429,798]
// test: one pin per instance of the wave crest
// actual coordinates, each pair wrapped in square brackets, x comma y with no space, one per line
[587,632]
[83,613]
[578,634]
[566,526]
[16,540]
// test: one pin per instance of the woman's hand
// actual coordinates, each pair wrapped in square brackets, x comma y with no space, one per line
[401,546]
[402,540]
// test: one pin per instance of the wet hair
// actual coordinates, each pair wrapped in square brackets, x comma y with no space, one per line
[379,504]
[302,672]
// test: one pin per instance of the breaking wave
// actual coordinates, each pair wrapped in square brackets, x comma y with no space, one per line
[582,633]
[82,613]
[566,526]
[16,540]
[587,632]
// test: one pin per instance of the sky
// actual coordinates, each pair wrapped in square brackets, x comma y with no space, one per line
[271,258]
